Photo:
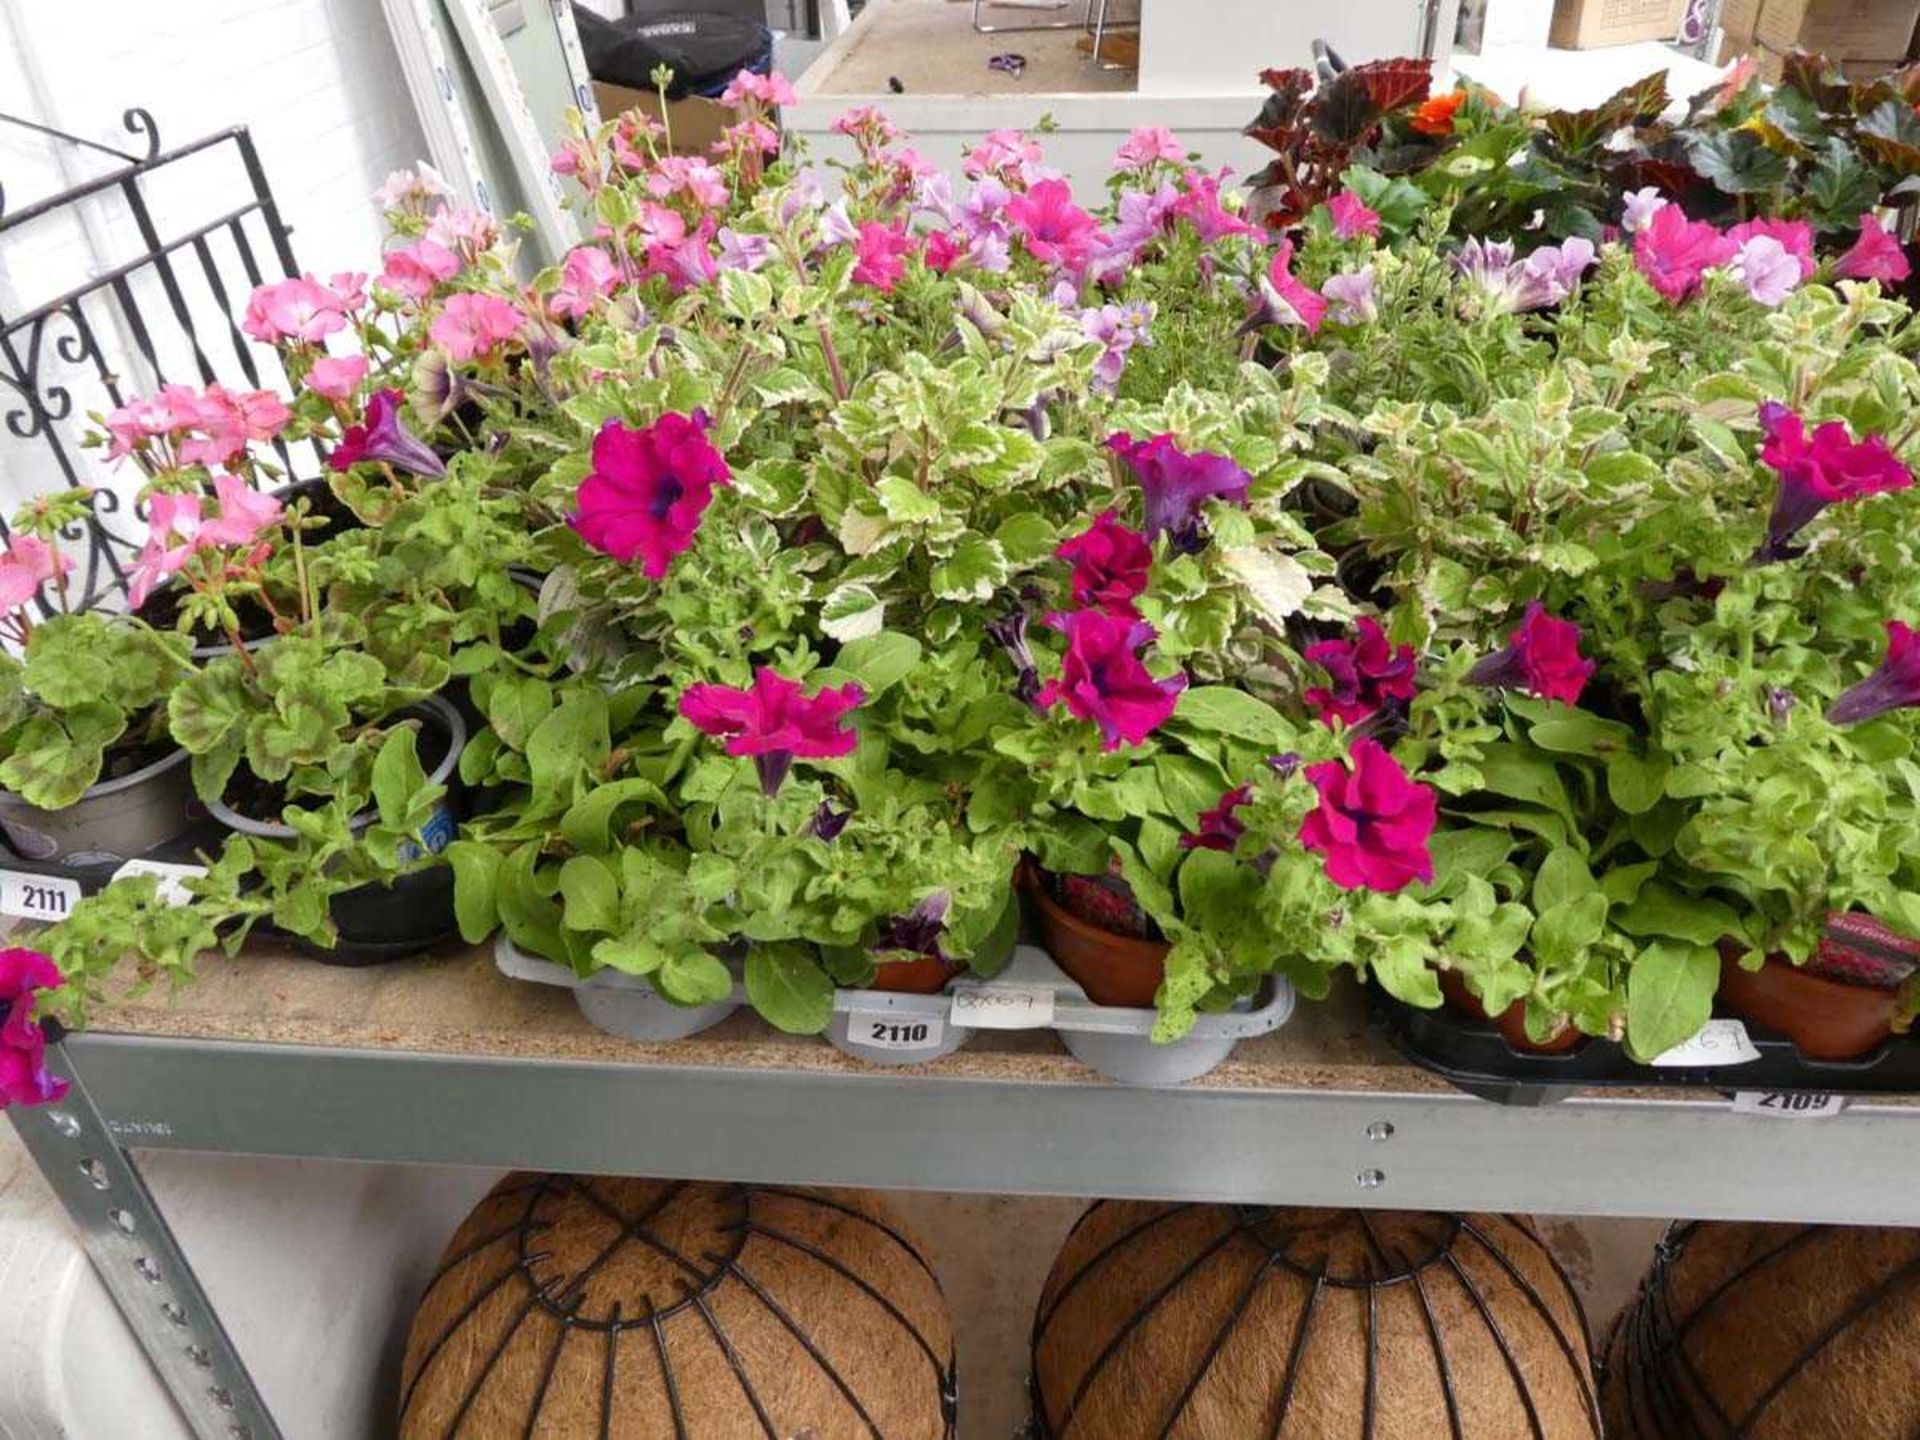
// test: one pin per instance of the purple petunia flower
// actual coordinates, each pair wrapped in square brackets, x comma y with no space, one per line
[1817,472]
[827,822]
[1351,296]
[1546,277]
[1118,328]
[742,252]
[1363,674]
[1009,632]
[383,437]
[1219,828]
[1176,483]
[919,931]
[1893,686]
[1102,679]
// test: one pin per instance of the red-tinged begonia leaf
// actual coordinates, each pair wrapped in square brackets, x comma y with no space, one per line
[1343,111]
[1394,84]
[1578,131]
[1818,78]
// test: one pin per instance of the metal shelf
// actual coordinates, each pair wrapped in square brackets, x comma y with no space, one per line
[445,1061]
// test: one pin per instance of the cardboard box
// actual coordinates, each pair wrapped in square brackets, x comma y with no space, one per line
[1858,31]
[695,122]
[1588,24]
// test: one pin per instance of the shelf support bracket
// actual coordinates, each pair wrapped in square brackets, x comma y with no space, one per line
[141,1264]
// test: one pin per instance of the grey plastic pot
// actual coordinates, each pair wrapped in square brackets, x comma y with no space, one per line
[114,821]
[623,1005]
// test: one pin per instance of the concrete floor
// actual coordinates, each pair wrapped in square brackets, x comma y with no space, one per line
[931,48]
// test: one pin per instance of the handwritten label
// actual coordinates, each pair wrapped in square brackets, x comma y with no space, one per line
[37,897]
[168,877]
[1718,1042]
[1795,1104]
[1003,1007]
[895,1030]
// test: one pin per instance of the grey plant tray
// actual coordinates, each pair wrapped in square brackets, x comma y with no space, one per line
[620,1004]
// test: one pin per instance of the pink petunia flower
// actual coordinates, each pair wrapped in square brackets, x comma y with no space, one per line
[1118,328]
[1894,686]
[648,489]
[173,535]
[1675,253]
[1876,255]
[301,310]
[1177,482]
[1110,564]
[1283,298]
[1372,823]
[337,377]
[1352,216]
[26,563]
[244,513]
[1199,205]
[1220,828]
[382,438]
[1793,236]
[23,1042]
[1351,296]
[1542,656]
[1102,679]
[881,251]
[1766,269]
[1147,145]
[1826,469]
[1053,229]
[587,274]
[1640,207]
[470,326]
[413,270]
[776,722]
[1364,674]
[942,251]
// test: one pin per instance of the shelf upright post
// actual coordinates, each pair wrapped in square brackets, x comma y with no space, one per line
[127,1239]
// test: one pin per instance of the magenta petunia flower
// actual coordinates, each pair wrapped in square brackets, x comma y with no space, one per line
[1102,679]
[648,489]
[1876,255]
[1054,230]
[775,721]
[383,438]
[26,563]
[1199,205]
[337,377]
[1372,823]
[1352,216]
[1176,483]
[1895,685]
[1542,656]
[1284,299]
[881,251]
[1817,472]
[1793,236]
[1675,253]
[23,1043]
[471,326]
[1110,564]
[1219,828]
[1364,674]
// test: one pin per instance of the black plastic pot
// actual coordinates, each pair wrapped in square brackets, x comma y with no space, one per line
[379,922]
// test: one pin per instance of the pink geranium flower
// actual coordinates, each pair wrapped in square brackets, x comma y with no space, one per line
[1793,236]
[1364,674]
[776,722]
[1542,656]
[1102,679]
[468,232]
[1110,564]
[1283,298]
[1373,822]
[383,438]
[1054,230]
[300,310]
[244,513]
[470,326]
[1352,216]
[23,1043]
[1675,253]
[1148,145]
[1895,685]
[26,563]
[587,274]
[1009,154]
[413,270]
[173,535]
[1818,471]
[1876,255]
[771,89]
[337,377]
[881,251]
[1220,828]
[699,180]
[648,489]
[1176,482]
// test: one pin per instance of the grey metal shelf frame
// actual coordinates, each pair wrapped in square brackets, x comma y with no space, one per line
[281,1058]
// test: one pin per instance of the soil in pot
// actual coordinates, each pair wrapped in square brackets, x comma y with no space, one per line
[1112,967]
[1825,1019]
[1512,1022]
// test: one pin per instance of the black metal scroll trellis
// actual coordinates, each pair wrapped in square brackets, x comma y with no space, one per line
[146,301]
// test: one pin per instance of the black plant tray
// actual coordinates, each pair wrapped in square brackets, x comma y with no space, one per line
[1472,1055]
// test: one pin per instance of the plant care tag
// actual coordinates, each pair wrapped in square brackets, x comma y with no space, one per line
[169,876]
[895,1029]
[37,897]
[1796,1104]
[1718,1042]
[1003,1007]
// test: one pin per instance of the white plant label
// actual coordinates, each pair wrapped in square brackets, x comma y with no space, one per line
[1003,1007]
[1718,1042]
[169,888]
[1794,1104]
[37,897]
[895,1029]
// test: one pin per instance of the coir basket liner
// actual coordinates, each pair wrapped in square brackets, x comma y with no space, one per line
[667,1310]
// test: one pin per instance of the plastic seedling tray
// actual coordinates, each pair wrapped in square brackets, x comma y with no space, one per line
[623,1005]
[1474,1056]
[46,890]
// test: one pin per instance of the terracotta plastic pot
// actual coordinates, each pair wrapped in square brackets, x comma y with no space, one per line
[1120,970]
[1825,1019]
[925,976]
[1512,1023]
